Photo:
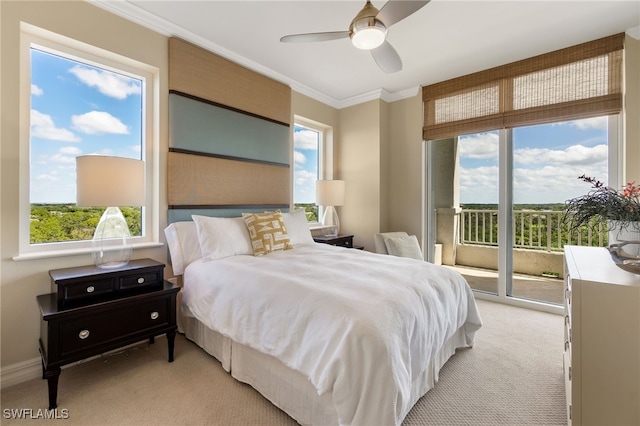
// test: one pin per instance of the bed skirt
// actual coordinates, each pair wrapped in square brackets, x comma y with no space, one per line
[289,390]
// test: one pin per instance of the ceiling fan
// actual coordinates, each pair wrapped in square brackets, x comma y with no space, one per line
[368,31]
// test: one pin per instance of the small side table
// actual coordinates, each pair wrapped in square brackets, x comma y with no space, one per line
[80,331]
[340,240]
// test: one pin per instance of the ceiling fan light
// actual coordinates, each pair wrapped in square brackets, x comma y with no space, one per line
[368,38]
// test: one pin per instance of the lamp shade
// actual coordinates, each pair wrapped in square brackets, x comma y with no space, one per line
[330,192]
[109,181]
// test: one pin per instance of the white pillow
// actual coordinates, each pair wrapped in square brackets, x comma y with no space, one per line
[380,240]
[184,247]
[222,237]
[404,247]
[297,227]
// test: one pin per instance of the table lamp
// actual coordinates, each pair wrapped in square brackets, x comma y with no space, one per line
[110,182]
[330,193]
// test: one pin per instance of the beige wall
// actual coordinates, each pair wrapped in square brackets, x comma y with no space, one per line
[21,281]
[404,177]
[359,156]
[632,109]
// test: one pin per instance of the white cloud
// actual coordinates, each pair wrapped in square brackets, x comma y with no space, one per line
[479,146]
[62,158]
[99,122]
[305,186]
[299,158]
[305,139]
[601,123]
[573,155]
[479,185]
[303,177]
[108,83]
[35,90]
[43,127]
[552,183]
[70,150]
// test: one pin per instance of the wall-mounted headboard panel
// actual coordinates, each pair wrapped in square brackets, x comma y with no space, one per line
[201,126]
[203,74]
[196,179]
[229,137]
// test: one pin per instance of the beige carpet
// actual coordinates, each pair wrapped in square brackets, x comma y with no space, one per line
[513,376]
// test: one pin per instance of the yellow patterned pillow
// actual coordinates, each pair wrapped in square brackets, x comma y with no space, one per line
[267,232]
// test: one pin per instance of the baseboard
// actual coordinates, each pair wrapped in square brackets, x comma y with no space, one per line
[20,372]
[32,369]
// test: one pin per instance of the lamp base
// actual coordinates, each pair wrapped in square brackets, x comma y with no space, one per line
[112,240]
[330,222]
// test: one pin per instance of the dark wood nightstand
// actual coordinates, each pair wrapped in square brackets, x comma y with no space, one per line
[94,325]
[340,240]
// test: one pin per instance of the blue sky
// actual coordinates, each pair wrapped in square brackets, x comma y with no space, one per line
[77,110]
[305,160]
[548,159]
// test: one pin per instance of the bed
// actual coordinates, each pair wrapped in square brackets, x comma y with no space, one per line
[330,335]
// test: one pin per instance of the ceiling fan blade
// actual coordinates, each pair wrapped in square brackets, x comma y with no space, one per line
[310,37]
[387,58]
[396,10]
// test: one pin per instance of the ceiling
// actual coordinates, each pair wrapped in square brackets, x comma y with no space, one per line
[444,39]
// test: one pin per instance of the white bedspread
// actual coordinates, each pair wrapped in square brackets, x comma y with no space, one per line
[359,325]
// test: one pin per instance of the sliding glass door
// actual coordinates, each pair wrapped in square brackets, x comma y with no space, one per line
[497,200]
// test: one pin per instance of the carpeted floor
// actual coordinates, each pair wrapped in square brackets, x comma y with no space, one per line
[512,376]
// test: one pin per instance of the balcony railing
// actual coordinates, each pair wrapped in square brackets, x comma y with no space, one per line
[532,229]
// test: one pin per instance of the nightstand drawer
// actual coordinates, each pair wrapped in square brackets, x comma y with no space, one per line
[89,284]
[88,332]
[81,290]
[153,278]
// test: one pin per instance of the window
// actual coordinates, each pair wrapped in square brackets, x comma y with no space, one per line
[525,131]
[312,162]
[79,100]
[546,161]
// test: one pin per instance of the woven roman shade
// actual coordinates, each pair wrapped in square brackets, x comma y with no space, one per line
[577,82]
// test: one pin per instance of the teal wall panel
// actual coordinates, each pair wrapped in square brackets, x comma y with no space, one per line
[202,127]
[181,215]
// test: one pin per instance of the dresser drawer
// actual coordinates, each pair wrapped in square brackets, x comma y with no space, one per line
[91,331]
[89,284]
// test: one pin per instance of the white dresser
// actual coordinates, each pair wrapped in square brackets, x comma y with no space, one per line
[602,339]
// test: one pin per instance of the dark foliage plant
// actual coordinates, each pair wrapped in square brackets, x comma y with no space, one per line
[603,204]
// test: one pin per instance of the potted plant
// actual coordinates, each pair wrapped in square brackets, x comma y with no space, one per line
[619,210]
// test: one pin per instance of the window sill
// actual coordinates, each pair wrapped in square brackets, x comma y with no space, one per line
[74,252]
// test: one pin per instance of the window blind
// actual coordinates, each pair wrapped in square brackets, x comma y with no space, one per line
[577,82]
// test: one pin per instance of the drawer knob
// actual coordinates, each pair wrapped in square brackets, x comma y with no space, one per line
[83,334]
[91,289]
[140,280]
[154,315]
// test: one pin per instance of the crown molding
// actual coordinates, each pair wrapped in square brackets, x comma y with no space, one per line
[148,20]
